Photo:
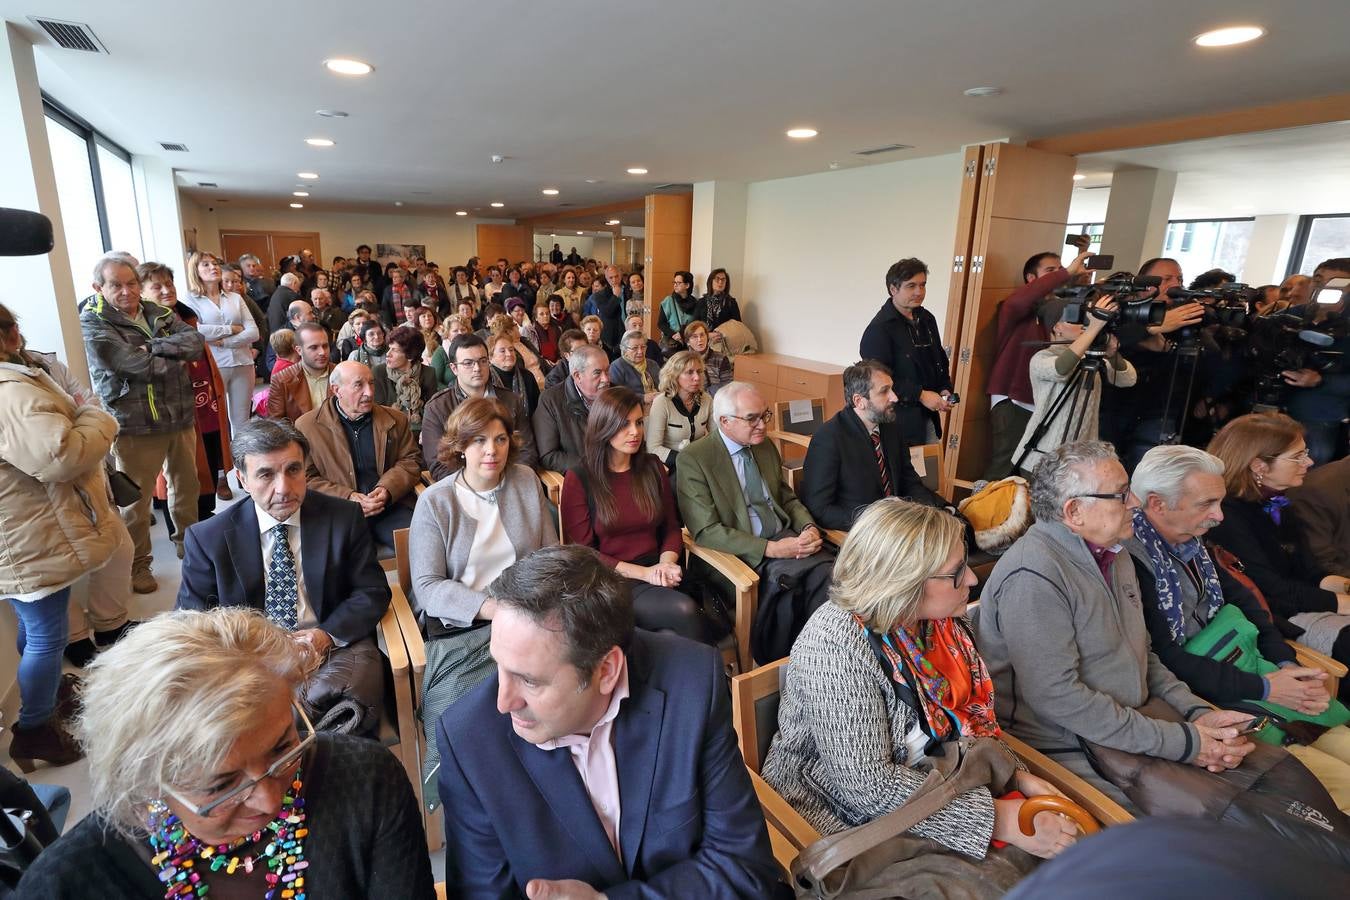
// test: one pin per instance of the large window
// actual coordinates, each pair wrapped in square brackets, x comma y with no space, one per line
[95,193]
[1091,229]
[1319,238]
[1203,244]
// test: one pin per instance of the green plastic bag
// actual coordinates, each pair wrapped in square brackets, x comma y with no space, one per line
[1230,638]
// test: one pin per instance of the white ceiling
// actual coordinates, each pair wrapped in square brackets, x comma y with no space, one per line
[693,91]
[1300,171]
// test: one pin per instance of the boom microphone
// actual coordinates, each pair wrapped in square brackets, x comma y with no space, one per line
[25,233]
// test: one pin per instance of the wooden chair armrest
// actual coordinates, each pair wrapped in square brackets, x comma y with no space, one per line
[780,815]
[427,480]
[784,852]
[389,636]
[553,482]
[791,437]
[728,565]
[1105,810]
[1315,659]
[412,634]
[834,535]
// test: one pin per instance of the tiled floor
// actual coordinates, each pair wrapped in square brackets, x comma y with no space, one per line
[75,777]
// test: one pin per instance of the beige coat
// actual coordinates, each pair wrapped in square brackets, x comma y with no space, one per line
[55,517]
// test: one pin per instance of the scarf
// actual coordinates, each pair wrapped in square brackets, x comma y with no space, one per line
[1168,577]
[400,293]
[690,414]
[408,391]
[950,680]
[1274,507]
[713,303]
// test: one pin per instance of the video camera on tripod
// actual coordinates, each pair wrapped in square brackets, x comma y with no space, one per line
[1135,303]
[1227,307]
[1288,341]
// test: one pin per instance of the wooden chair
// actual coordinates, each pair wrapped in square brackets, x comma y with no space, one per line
[744,582]
[409,693]
[401,738]
[553,485]
[754,714]
[792,438]
[1313,659]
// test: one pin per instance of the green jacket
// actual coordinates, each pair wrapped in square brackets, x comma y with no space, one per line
[713,504]
[141,374]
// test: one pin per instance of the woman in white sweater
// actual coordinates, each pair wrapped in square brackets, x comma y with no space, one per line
[229,331]
[682,408]
[1051,370]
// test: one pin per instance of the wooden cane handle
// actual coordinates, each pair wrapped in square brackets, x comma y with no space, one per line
[1055,804]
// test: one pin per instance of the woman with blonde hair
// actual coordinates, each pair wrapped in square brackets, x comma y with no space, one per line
[206,775]
[885,673]
[1264,455]
[682,410]
[228,329]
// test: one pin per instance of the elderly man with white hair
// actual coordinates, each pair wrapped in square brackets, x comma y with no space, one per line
[732,497]
[1061,629]
[287,292]
[1191,604]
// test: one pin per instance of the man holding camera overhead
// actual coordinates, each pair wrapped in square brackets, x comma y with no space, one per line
[1320,400]
[904,336]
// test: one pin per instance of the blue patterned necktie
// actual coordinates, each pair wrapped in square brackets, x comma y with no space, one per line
[283,592]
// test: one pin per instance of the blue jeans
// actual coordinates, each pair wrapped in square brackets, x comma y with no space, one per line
[44,630]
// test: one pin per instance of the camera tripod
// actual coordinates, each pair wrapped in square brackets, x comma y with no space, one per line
[1071,403]
[1192,352]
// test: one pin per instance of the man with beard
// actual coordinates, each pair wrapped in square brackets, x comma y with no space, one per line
[860,455]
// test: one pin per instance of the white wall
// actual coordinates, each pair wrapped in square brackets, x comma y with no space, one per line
[449,239]
[817,248]
[1268,252]
[566,240]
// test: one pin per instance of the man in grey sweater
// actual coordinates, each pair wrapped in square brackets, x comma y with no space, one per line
[1062,631]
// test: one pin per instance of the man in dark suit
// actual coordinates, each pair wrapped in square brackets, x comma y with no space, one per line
[279,307]
[599,760]
[306,560]
[904,337]
[859,455]
[609,306]
[560,421]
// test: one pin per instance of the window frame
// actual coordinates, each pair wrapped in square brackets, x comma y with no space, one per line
[93,139]
[1302,234]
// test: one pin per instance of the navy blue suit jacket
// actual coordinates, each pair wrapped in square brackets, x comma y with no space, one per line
[344,584]
[690,825]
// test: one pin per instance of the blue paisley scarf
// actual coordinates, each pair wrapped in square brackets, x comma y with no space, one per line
[1168,576]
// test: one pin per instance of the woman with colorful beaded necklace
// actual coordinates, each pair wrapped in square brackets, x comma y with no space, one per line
[208,779]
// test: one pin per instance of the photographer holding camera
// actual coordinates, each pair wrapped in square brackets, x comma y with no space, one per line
[1019,331]
[1052,369]
[1319,397]
[1135,419]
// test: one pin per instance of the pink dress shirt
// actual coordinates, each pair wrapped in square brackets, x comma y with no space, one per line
[593,755]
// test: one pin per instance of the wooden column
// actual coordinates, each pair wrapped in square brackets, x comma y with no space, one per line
[669,224]
[514,242]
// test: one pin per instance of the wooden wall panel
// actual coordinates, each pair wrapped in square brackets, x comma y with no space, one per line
[514,242]
[966,225]
[668,228]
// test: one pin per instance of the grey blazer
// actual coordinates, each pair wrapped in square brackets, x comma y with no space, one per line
[441,536]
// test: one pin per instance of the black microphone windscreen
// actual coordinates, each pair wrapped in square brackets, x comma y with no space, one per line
[25,233]
[1177,293]
[1147,280]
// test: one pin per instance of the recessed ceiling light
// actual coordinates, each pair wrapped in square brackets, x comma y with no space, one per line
[612,222]
[398,202]
[594,180]
[581,232]
[802,134]
[348,66]
[297,206]
[299,193]
[460,212]
[1227,37]
[1079,176]
[330,113]
[308,176]
[552,192]
[497,205]
[637,170]
[983,92]
[319,142]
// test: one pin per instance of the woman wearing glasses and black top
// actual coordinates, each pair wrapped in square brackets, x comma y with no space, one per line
[206,776]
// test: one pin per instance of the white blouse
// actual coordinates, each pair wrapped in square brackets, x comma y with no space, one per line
[214,323]
[492,551]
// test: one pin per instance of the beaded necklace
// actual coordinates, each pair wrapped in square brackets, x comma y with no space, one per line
[177,851]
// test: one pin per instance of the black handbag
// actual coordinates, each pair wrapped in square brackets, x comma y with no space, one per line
[125,490]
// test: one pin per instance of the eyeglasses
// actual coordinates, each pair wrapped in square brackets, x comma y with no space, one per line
[763,418]
[955,577]
[1123,496]
[479,363]
[236,795]
[1301,456]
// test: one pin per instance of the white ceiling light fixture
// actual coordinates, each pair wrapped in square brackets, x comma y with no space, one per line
[398,202]
[331,113]
[612,222]
[308,176]
[297,206]
[342,66]
[496,205]
[1229,37]
[319,142]
[637,170]
[460,212]
[802,134]
[299,193]
[986,91]
[1079,176]
[551,192]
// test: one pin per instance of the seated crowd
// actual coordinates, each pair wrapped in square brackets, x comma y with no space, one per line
[552,466]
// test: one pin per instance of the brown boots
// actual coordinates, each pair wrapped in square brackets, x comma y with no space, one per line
[51,742]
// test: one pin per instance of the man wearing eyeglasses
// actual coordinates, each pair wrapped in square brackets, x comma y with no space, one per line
[473,378]
[1061,627]
[733,498]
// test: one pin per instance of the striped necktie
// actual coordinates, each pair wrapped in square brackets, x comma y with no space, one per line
[886,490]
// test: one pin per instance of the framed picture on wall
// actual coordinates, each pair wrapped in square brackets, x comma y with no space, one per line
[387,253]
[190,240]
